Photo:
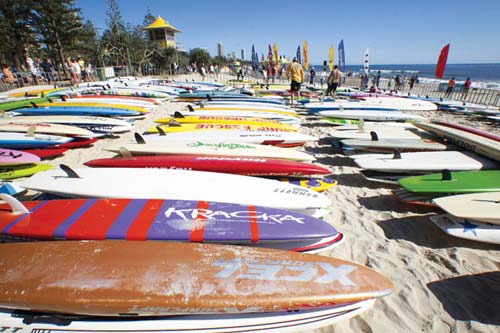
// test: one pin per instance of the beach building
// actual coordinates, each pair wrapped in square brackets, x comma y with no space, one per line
[161,32]
[220,49]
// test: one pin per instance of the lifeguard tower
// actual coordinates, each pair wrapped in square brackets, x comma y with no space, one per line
[162,33]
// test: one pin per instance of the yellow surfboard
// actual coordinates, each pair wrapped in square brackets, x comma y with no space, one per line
[216,127]
[97,105]
[225,120]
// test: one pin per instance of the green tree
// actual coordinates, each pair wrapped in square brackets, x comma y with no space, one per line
[58,26]
[16,33]
[200,56]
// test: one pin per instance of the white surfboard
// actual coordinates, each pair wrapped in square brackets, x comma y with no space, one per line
[371,125]
[345,106]
[143,183]
[95,124]
[45,128]
[470,141]
[384,145]
[468,229]
[262,115]
[424,162]
[383,132]
[268,322]
[481,207]
[256,137]
[244,105]
[408,104]
[251,109]
[372,115]
[213,148]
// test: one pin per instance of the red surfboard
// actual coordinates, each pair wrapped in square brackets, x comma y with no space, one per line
[77,143]
[46,153]
[250,166]
[469,130]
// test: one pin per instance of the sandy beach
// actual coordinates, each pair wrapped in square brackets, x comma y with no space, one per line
[441,283]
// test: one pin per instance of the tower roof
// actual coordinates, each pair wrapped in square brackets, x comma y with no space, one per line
[160,23]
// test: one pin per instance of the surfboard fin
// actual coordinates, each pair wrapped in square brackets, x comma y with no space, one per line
[397,155]
[209,98]
[361,125]
[374,136]
[17,207]
[31,131]
[161,131]
[190,108]
[139,138]
[34,105]
[341,108]
[172,122]
[177,114]
[446,174]
[70,172]
[201,105]
[124,152]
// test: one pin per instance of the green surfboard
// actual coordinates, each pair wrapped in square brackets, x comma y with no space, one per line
[14,105]
[22,170]
[458,182]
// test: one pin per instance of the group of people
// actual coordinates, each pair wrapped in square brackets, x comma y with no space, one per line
[451,86]
[36,71]
[295,73]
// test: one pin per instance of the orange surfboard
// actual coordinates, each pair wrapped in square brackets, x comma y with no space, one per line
[116,278]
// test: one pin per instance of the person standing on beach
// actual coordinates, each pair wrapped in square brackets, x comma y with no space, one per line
[377,79]
[312,74]
[465,90]
[333,81]
[295,73]
[451,85]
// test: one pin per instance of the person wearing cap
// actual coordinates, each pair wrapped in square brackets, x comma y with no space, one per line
[295,73]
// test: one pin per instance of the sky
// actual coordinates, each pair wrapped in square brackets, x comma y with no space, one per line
[395,31]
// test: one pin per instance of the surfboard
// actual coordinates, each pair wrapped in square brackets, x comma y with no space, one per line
[163,220]
[294,120]
[352,105]
[197,127]
[372,115]
[424,162]
[269,322]
[46,153]
[77,103]
[388,145]
[78,111]
[12,140]
[77,143]
[14,157]
[246,109]
[469,130]
[94,124]
[383,132]
[45,128]
[11,188]
[454,182]
[468,229]
[181,119]
[119,278]
[288,139]
[176,185]
[401,103]
[249,166]
[22,170]
[468,140]
[212,148]
[17,104]
[481,207]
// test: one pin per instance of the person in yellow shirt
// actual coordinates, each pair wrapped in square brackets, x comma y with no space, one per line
[295,73]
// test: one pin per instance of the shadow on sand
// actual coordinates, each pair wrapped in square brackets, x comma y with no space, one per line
[470,297]
[423,232]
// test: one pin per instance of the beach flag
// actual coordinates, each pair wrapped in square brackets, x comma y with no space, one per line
[262,58]
[270,57]
[299,58]
[330,58]
[254,58]
[341,56]
[367,61]
[304,50]
[276,57]
[441,64]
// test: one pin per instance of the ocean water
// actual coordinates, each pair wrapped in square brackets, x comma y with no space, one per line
[481,75]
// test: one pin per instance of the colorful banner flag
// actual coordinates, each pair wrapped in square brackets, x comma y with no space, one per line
[304,50]
[276,57]
[299,58]
[330,58]
[270,57]
[341,56]
[254,58]
[367,61]
[441,64]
